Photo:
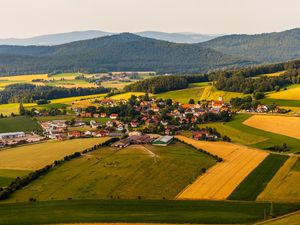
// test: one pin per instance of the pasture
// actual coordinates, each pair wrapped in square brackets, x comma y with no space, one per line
[134,172]
[283,125]
[257,180]
[268,139]
[36,156]
[182,96]
[20,123]
[138,211]
[222,179]
[285,185]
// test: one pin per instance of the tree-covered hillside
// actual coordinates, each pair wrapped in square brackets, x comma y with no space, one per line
[269,47]
[124,52]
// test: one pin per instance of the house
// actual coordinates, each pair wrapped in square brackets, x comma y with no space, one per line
[163,141]
[143,139]
[94,124]
[102,133]
[134,133]
[74,134]
[114,116]
[134,124]
[96,115]
[262,108]
[122,143]
[102,115]
[12,135]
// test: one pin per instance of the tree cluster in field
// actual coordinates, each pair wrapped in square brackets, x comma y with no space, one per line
[31,93]
[278,148]
[242,80]
[164,83]
[19,183]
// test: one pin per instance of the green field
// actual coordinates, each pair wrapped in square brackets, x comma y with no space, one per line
[7,176]
[292,219]
[138,211]
[183,96]
[133,172]
[258,179]
[20,123]
[253,137]
[280,102]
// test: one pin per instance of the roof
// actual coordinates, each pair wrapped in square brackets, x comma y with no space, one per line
[165,138]
[12,133]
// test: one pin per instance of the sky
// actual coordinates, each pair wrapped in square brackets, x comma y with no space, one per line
[26,18]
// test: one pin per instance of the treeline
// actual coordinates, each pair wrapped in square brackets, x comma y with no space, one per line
[249,85]
[165,83]
[30,93]
[19,183]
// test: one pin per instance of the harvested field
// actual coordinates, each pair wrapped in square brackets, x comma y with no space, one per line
[221,180]
[283,125]
[285,185]
[35,156]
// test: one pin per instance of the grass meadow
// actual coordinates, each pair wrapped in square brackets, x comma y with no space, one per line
[20,123]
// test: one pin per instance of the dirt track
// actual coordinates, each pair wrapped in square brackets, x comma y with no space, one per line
[221,180]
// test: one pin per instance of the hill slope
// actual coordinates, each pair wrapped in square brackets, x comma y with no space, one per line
[269,47]
[114,53]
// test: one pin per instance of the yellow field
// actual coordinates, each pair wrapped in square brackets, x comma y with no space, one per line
[292,93]
[115,84]
[25,78]
[7,109]
[127,95]
[285,185]
[211,93]
[222,179]
[291,219]
[35,156]
[284,125]
[277,74]
[70,100]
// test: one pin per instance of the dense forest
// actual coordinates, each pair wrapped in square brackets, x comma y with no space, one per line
[124,52]
[31,93]
[268,47]
[165,83]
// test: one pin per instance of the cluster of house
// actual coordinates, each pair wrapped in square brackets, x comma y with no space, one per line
[17,138]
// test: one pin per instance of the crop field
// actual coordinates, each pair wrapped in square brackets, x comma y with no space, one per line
[20,123]
[292,93]
[276,74]
[258,179]
[292,219]
[281,102]
[211,93]
[35,156]
[138,211]
[183,96]
[115,84]
[283,125]
[8,109]
[130,173]
[127,95]
[71,84]
[7,176]
[222,179]
[267,140]
[285,185]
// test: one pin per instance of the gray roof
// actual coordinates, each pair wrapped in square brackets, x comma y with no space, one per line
[12,133]
[165,139]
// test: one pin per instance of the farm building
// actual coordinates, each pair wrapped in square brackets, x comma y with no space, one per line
[12,135]
[163,141]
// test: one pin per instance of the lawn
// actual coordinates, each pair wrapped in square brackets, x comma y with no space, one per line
[138,211]
[134,172]
[267,140]
[19,123]
[258,179]
[35,156]
[182,96]
[7,176]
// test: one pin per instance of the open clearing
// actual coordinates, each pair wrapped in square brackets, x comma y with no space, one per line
[20,123]
[283,125]
[257,180]
[138,211]
[133,172]
[285,185]
[221,180]
[35,156]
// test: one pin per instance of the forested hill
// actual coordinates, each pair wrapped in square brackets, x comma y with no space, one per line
[124,52]
[269,47]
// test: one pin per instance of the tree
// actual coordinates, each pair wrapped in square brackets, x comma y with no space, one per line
[259,95]
[191,101]
[22,110]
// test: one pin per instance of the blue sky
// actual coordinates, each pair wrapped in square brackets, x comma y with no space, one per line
[25,18]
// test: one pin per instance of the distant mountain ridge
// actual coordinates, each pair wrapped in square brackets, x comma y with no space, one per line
[123,52]
[63,38]
[267,47]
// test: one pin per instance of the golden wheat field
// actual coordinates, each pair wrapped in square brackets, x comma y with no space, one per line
[222,179]
[285,185]
[292,93]
[285,125]
[35,156]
